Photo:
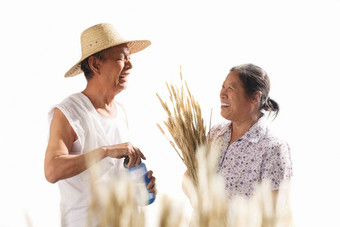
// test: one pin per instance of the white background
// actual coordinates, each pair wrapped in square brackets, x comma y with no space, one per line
[296,42]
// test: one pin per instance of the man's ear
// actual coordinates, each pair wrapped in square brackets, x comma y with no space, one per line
[257,97]
[94,64]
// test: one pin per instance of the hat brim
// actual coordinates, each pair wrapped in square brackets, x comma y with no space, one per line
[133,45]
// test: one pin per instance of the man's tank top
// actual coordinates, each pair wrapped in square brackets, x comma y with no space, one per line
[93,131]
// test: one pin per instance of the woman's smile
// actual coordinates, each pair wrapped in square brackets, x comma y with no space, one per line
[225,105]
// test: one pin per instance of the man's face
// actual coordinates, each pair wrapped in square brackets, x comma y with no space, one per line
[115,69]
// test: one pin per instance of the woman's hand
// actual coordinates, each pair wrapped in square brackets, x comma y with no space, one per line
[125,150]
[189,189]
[184,186]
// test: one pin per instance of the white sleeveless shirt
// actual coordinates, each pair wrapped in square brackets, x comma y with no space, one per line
[93,131]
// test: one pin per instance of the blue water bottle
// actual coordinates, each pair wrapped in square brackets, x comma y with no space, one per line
[140,174]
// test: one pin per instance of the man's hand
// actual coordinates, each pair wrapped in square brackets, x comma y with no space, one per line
[125,150]
[152,184]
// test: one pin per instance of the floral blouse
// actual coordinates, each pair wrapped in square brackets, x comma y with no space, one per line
[258,155]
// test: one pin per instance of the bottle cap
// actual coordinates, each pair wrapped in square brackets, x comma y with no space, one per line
[126,162]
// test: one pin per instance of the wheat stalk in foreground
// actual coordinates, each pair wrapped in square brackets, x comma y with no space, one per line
[185,125]
[114,204]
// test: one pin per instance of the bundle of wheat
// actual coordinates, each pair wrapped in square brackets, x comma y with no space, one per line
[185,125]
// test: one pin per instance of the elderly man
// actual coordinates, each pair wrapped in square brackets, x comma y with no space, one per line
[89,129]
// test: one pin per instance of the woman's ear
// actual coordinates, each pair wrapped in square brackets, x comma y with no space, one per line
[257,97]
[94,64]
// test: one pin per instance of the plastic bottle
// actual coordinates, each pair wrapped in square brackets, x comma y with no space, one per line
[140,174]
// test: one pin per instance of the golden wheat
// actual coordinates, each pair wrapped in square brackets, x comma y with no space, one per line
[185,125]
[171,215]
[114,203]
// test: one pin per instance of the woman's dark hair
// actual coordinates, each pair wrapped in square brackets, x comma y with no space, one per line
[84,65]
[255,79]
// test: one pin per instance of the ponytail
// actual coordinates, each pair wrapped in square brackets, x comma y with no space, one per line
[271,106]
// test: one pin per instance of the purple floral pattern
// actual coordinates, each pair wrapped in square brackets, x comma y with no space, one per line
[258,155]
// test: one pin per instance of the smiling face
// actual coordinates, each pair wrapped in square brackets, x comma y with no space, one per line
[235,104]
[115,69]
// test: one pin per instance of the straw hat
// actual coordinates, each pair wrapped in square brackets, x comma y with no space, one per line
[100,37]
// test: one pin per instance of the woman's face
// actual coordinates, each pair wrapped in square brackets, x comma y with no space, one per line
[235,104]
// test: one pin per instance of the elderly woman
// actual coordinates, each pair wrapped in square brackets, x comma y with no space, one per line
[250,153]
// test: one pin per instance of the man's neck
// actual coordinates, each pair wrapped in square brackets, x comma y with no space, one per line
[102,101]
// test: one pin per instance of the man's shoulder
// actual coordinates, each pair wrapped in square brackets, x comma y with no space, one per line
[69,106]
[119,105]
[72,98]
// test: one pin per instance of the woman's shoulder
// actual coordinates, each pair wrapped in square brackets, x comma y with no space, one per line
[219,129]
[220,126]
[275,142]
[276,154]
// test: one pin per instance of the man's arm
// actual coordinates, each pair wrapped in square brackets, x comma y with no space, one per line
[59,164]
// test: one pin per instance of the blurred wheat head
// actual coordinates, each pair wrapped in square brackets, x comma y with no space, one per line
[171,213]
[208,197]
[114,203]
